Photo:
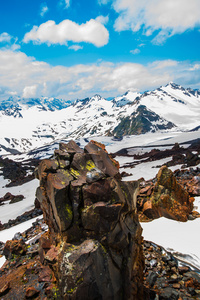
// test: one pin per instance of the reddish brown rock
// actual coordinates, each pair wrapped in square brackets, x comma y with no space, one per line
[46,275]
[57,191]
[51,255]
[96,192]
[31,292]
[44,243]
[16,247]
[93,226]
[4,289]
[101,159]
[101,217]
[70,148]
[145,190]
[168,198]
[45,166]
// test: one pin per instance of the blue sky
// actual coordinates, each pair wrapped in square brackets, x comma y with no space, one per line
[73,49]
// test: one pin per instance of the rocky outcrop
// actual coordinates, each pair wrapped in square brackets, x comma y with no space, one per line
[166,198]
[12,198]
[186,157]
[93,224]
[141,121]
[17,172]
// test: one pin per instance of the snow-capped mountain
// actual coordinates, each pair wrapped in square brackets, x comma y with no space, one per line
[127,98]
[176,104]
[13,105]
[30,123]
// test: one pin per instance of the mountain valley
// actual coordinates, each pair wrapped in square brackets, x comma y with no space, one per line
[32,123]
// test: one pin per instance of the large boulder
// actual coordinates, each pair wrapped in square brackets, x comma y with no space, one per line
[93,224]
[166,198]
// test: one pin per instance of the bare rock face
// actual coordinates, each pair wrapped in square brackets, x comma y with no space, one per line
[92,220]
[166,198]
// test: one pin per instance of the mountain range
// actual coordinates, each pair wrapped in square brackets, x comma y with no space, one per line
[30,123]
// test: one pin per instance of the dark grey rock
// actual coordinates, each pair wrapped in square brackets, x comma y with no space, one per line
[151,278]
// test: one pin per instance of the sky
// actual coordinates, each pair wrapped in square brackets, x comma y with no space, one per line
[74,49]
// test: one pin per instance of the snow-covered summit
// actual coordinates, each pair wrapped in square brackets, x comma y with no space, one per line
[127,98]
[15,103]
[32,123]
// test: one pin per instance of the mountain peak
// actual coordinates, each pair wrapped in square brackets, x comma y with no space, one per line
[97,97]
[173,85]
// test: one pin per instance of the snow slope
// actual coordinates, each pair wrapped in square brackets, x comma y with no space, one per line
[11,211]
[175,104]
[179,238]
[32,123]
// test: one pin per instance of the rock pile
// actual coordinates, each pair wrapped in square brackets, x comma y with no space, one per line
[190,179]
[28,274]
[165,278]
[166,198]
[94,232]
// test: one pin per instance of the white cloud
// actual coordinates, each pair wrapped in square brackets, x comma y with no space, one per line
[103,2]
[29,91]
[195,67]
[163,64]
[44,9]
[135,51]
[24,76]
[5,37]
[91,32]
[67,3]
[9,42]
[169,16]
[103,20]
[14,47]
[75,47]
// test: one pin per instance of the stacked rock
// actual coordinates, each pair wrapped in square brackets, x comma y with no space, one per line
[92,219]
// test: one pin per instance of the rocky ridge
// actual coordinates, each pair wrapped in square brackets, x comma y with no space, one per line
[165,108]
[39,268]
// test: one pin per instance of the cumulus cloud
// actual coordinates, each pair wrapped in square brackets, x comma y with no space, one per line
[170,17]
[92,32]
[5,37]
[27,77]
[75,47]
[44,9]
[29,91]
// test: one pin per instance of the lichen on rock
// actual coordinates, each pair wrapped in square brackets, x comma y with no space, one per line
[167,197]
[93,223]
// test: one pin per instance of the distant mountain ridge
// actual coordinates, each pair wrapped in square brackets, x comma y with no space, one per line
[43,103]
[29,123]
